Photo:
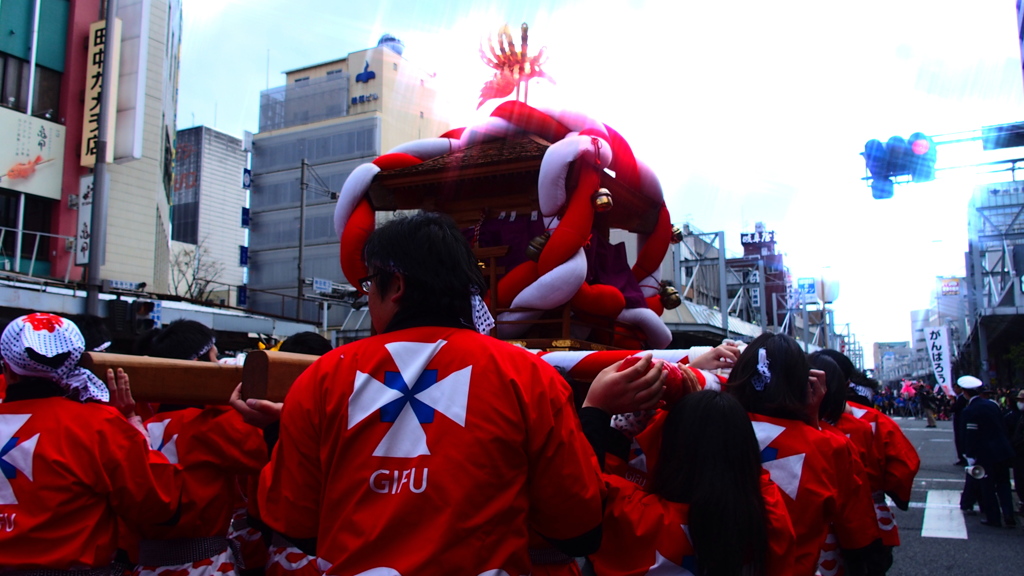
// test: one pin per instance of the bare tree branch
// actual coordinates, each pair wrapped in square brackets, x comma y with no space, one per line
[194,272]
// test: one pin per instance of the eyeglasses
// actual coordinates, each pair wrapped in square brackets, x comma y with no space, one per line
[366,282]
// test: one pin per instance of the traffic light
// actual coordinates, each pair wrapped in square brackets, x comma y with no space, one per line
[914,157]
[922,151]
[141,321]
[118,317]
[898,155]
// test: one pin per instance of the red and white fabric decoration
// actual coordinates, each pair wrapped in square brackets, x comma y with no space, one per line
[559,277]
[49,346]
[586,364]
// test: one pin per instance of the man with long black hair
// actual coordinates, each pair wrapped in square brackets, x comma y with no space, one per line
[430,448]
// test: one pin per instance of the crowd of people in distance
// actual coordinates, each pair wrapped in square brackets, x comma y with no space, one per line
[892,402]
[433,448]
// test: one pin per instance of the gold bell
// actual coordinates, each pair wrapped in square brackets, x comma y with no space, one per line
[670,297]
[677,235]
[537,246]
[602,200]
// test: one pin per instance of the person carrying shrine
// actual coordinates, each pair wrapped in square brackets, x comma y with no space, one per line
[71,465]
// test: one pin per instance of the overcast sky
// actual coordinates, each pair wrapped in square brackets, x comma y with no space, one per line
[747,110]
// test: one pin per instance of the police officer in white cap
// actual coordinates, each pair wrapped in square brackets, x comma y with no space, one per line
[987,446]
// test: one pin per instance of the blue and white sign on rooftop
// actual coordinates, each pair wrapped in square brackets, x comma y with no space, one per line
[806,287]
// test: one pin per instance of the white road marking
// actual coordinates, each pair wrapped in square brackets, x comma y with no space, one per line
[942,516]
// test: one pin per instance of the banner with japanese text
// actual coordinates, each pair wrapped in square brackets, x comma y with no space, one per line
[83,234]
[103,47]
[939,353]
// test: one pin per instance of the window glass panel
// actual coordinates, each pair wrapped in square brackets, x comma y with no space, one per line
[47,97]
[13,89]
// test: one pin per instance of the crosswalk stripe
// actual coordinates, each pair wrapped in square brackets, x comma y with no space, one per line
[942,516]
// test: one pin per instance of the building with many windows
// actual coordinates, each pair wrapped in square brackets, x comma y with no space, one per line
[45,77]
[334,116]
[995,262]
[206,215]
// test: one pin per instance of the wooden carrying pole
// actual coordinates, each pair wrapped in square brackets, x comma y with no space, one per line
[265,375]
[163,380]
[269,375]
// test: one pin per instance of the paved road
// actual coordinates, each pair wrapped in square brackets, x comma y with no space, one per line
[937,539]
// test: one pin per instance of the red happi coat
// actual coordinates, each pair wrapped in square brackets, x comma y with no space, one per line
[430,450]
[816,472]
[213,447]
[644,533]
[829,563]
[862,435]
[68,471]
[899,466]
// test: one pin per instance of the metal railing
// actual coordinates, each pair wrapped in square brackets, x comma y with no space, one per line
[15,258]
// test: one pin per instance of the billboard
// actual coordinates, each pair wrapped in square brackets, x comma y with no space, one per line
[33,160]
[949,286]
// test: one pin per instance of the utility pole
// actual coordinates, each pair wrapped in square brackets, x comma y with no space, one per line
[762,305]
[723,288]
[302,239]
[101,181]
[803,311]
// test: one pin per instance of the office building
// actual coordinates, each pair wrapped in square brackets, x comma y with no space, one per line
[335,116]
[207,233]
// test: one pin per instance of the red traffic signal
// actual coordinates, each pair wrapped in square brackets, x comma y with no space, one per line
[922,164]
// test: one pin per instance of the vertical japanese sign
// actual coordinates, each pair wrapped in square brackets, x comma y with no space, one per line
[82,233]
[104,46]
[939,354]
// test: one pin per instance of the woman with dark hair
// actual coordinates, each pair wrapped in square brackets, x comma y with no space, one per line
[709,509]
[898,460]
[833,418]
[773,381]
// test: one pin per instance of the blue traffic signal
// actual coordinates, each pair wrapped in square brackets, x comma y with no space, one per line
[898,154]
[876,159]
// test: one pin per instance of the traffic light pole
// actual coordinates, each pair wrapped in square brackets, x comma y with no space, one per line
[302,238]
[722,286]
